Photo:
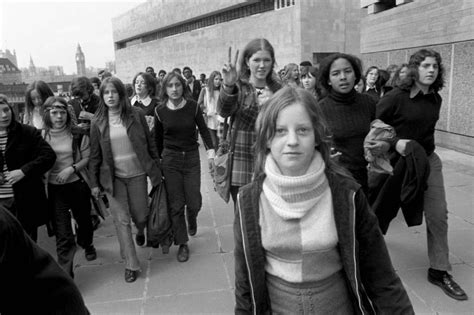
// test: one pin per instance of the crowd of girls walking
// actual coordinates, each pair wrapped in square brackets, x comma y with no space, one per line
[299,165]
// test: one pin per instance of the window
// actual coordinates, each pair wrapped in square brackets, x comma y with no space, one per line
[222,17]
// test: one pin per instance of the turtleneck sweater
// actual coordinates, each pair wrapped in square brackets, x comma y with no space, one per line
[61,142]
[297,224]
[126,162]
[348,117]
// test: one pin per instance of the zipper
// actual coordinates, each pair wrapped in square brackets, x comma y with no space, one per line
[359,299]
[252,294]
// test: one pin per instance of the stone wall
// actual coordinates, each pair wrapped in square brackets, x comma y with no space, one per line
[390,37]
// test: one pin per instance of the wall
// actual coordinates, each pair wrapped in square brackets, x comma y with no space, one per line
[206,49]
[296,32]
[156,14]
[329,26]
[446,26]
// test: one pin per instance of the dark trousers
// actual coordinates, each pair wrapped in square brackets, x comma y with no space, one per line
[74,196]
[182,171]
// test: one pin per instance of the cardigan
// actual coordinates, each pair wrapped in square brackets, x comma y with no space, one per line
[101,164]
[373,284]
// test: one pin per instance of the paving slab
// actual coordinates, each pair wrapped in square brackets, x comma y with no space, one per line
[211,302]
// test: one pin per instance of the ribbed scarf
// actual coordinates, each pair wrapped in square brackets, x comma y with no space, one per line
[291,197]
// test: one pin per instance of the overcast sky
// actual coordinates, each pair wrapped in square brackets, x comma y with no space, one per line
[49,31]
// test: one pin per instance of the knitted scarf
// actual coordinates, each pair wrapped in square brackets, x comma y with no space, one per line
[291,197]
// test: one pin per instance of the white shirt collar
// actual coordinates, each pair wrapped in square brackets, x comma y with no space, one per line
[145,101]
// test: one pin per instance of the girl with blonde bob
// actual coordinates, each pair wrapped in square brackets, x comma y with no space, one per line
[305,238]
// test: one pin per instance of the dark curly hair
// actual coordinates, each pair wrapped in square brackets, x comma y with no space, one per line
[325,68]
[415,60]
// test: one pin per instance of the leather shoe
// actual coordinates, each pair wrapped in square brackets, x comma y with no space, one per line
[192,225]
[447,284]
[90,253]
[131,275]
[140,239]
[183,253]
[165,249]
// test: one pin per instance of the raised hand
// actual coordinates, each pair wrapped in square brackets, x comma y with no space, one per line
[229,72]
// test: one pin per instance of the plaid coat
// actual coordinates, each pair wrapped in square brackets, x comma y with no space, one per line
[244,103]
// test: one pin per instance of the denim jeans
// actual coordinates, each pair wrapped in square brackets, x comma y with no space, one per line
[74,196]
[182,171]
[129,202]
[436,215]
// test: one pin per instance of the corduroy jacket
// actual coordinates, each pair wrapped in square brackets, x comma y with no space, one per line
[373,284]
[101,162]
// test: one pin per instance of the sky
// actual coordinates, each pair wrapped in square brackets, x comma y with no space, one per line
[50,30]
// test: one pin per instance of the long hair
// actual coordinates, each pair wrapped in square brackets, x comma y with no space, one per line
[415,60]
[288,75]
[250,49]
[396,77]
[149,81]
[124,103]
[44,91]
[327,62]
[48,106]
[312,72]
[265,126]
[166,80]
[210,84]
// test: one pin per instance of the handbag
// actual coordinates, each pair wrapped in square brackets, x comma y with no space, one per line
[223,162]
[159,223]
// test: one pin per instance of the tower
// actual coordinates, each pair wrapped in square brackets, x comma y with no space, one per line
[80,61]
[32,68]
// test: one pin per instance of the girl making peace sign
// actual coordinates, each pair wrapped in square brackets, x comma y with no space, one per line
[247,83]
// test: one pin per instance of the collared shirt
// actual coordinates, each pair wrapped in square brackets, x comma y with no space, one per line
[191,85]
[145,101]
[415,89]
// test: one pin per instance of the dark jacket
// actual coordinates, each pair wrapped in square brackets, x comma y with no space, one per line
[196,89]
[31,281]
[101,163]
[404,189]
[27,150]
[374,286]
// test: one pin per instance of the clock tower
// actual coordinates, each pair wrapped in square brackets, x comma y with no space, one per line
[80,61]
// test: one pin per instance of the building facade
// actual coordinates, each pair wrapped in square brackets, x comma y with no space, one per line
[166,34]
[392,30]
[9,73]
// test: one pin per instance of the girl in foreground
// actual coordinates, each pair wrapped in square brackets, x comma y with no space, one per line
[306,241]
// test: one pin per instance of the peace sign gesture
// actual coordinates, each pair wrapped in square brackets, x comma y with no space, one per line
[229,72]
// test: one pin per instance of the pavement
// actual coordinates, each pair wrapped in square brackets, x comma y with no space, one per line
[205,283]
